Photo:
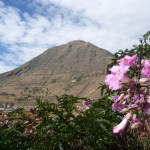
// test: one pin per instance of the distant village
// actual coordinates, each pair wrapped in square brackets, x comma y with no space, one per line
[9,107]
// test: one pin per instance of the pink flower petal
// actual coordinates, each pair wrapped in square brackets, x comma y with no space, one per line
[119,128]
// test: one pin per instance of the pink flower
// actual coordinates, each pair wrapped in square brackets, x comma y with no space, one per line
[146,69]
[119,71]
[6,122]
[28,131]
[118,106]
[136,99]
[4,116]
[146,63]
[2,123]
[128,60]
[26,122]
[51,132]
[114,79]
[113,82]
[119,128]
[115,98]
[85,103]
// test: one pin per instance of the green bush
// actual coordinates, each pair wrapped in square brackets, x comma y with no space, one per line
[71,127]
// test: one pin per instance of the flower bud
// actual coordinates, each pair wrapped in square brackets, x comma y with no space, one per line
[136,125]
[142,100]
[120,97]
[134,118]
[26,122]
[1,122]
[138,66]
[124,110]
[127,97]
[4,116]
[143,80]
[135,80]
[143,134]
[6,122]
[128,90]
[148,99]
[119,128]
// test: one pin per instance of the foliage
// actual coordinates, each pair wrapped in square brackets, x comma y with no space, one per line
[65,125]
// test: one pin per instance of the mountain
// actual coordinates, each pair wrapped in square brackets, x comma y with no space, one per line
[76,68]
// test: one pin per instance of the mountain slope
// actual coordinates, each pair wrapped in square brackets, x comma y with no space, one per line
[75,68]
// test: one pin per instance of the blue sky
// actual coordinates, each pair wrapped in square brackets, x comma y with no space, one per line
[29,27]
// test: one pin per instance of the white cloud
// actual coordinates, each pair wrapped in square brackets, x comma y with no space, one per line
[110,24]
[121,22]
[5,67]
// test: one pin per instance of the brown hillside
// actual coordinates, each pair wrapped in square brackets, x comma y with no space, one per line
[76,68]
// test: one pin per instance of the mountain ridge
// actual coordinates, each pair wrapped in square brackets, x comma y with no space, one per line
[62,70]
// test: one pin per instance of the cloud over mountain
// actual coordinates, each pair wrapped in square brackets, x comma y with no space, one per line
[28,28]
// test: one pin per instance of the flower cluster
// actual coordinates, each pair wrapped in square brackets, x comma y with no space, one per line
[132,95]
[117,76]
